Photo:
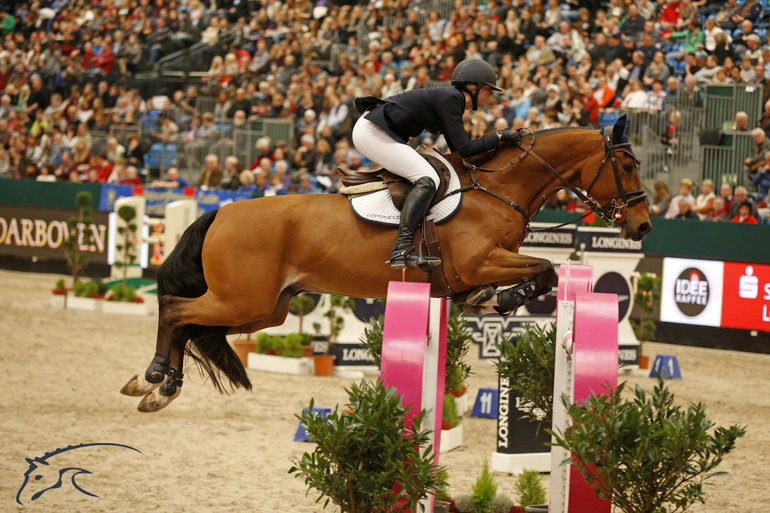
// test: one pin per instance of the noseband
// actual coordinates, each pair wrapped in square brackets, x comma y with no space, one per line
[611,213]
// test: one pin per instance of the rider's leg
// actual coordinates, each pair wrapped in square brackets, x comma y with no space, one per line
[403,160]
[416,203]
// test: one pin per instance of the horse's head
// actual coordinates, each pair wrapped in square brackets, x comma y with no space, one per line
[616,186]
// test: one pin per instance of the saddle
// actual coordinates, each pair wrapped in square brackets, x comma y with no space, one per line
[362,182]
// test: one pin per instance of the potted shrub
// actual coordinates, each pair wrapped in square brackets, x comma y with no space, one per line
[301,305]
[324,362]
[647,293]
[87,295]
[529,367]
[276,353]
[79,235]
[645,454]
[531,491]
[122,298]
[366,457]
[483,497]
[457,372]
[458,343]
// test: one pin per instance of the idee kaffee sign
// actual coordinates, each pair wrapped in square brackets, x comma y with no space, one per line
[714,293]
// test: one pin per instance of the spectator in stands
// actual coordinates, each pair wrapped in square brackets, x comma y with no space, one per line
[757,159]
[169,131]
[694,39]
[704,202]
[231,178]
[761,181]
[246,183]
[741,122]
[685,192]
[306,185]
[208,131]
[684,210]
[173,180]
[744,213]
[725,15]
[658,69]
[132,177]
[706,74]
[726,193]
[212,174]
[719,212]
[741,196]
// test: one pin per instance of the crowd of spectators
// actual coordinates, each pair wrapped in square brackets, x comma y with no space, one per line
[65,66]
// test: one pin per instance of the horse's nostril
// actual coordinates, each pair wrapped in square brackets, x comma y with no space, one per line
[645,228]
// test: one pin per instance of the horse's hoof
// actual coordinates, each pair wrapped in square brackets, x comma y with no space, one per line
[481,295]
[154,401]
[137,387]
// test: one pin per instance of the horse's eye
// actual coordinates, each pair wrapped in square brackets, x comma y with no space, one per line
[628,168]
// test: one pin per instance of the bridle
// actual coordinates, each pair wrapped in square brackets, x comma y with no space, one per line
[612,213]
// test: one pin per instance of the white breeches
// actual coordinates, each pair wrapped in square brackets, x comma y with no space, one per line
[398,158]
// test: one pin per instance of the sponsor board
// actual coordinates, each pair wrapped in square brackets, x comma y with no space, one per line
[691,292]
[746,296]
[41,232]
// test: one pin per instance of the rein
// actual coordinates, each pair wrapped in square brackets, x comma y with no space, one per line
[611,213]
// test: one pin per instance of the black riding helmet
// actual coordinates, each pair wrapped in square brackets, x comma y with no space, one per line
[475,72]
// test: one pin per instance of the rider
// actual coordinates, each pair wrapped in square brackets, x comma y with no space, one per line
[386,125]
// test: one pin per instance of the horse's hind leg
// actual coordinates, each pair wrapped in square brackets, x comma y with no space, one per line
[171,387]
[159,368]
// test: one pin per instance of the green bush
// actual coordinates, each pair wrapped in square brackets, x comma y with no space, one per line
[450,414]
[372,338]
[263,343]
[464,503]
[277,344]
[645,454]
[79,288]
[458,342]
[293,345]
[529,366]
[529,488]
[364,449]
[484,490]
[501,504]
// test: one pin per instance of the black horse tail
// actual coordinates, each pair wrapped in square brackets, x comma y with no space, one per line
[182,275]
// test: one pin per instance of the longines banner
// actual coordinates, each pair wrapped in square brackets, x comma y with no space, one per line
[40,232]
[714,293]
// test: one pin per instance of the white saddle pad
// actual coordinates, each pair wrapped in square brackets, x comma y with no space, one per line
[378,207]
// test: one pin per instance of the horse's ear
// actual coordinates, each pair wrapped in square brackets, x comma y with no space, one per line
[620,130]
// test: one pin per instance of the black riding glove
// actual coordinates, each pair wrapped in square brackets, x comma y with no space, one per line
[510,136]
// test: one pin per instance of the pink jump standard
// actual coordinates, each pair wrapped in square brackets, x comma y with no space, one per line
[586,362]
[414,353]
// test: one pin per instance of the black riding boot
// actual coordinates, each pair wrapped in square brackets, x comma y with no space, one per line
[415,205]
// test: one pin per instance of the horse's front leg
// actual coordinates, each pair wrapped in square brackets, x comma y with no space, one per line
[531,277]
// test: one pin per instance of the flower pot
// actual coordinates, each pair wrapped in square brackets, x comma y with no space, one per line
[324,364]
[279,364]
[242,348]
[540,508]
[84,303]
[644,362]
[307,351]
[125,308]
[451,438]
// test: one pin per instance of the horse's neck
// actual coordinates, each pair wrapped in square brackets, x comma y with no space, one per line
[526,180]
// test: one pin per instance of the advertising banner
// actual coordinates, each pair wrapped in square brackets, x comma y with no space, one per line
[157,199]
[746,296]
[40,232]
[691,292]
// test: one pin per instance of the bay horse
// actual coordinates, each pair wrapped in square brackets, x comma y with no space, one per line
[235,269]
